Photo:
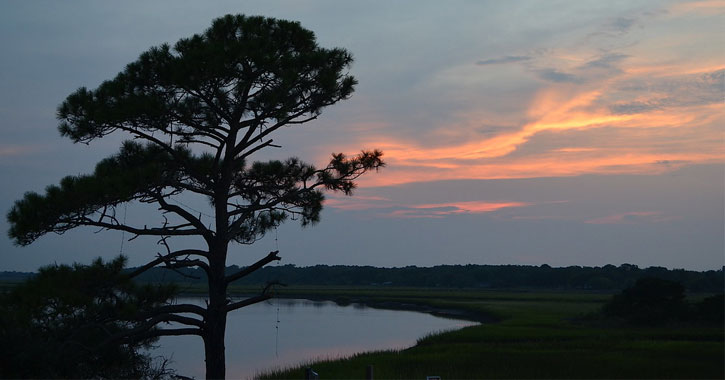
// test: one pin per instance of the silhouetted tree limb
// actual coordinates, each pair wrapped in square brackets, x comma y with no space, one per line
[167,258]
[263,296]
[272,256]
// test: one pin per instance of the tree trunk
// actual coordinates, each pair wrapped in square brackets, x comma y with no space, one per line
[214,344]
[216,318]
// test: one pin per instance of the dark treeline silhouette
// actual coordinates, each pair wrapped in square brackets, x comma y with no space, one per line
[608,277]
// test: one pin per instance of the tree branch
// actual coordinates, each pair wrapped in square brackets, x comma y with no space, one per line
[272,256]
[165,332]
[258,147]
[205,232]
[168,148]
[256,299]
[247,302]
[180,319]
[249,140]
[167,309]
[146,329]
[172,231]
[168,257]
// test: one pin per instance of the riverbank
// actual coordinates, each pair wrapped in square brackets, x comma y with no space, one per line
[528,335]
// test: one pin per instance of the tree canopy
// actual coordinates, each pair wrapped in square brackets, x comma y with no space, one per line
[196,113]
[79,321]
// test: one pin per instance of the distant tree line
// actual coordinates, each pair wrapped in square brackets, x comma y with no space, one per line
[606,278]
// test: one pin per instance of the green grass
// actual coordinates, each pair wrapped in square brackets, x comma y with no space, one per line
[537,336]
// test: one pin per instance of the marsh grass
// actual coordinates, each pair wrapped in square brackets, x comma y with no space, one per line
[539,335]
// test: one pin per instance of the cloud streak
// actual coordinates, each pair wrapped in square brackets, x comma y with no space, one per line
[503,60]
[12,151]
[439,210]
[386,207]
[634,217]
[553,75]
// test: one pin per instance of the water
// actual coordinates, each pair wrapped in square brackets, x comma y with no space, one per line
[307,330]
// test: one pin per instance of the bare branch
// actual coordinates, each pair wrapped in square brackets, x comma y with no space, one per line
[265,295]
[248,140]
[248,301]
[170,231]
[180,319]
[258,147]
[205,232]
[167,309]
[146,329]
[170,256]
[272,256]
[164,332]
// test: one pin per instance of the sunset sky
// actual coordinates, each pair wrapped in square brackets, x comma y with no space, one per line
[515,132]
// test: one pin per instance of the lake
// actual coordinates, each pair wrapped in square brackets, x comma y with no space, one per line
[306,330]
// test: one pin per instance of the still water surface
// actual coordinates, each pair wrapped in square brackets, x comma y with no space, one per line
[306,330]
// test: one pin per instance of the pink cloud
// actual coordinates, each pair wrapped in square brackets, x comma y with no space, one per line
[18,150]
[439,210]
[707,7]
[390,208]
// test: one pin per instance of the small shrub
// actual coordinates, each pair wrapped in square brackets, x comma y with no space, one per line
[650,301]
[711,309]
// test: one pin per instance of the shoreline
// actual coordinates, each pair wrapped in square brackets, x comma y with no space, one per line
[449,313]
[369,301]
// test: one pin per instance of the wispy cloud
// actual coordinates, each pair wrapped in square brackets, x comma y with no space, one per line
[505,59]
[634,217]
[7,151]
[621,24]
[606,61]
[439,210]
[557,76]
[669,91]
[402,209]
[357,202]
[706,7]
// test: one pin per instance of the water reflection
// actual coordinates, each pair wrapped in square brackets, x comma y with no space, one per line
[306,330]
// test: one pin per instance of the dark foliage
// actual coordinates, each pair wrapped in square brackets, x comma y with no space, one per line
[651,301]
[711,309]
[72,322]
[607,278]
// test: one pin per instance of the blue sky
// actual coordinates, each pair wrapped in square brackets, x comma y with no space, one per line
[527,132]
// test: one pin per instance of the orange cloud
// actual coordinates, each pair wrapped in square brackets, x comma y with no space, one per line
[706,6]
[390,208]
[652,103]
[673,128]
[533,167]
[439,210]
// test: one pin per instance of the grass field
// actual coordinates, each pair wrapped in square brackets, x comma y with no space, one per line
[536,335]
